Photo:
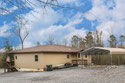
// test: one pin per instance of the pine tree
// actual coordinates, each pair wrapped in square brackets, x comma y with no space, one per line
[112,41]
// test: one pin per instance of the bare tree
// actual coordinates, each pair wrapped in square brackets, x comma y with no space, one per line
[89,40]
[24,5]
[57,42]
[82,44]
[22,30]
[51,39]
[65,41]
[3,11]
[98,42]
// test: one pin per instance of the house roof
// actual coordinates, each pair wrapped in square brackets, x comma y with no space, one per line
[47,48]
[104,51]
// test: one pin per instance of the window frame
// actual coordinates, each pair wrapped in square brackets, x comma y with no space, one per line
[36,58]
[67,56]
[16,57]
[86,56]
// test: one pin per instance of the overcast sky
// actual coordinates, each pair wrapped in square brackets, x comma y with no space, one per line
[104,15]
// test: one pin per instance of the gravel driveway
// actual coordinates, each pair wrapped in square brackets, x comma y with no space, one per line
[70,75]
[1,71]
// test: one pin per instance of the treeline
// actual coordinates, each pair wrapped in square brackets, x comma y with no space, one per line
[95,39]
[91,39]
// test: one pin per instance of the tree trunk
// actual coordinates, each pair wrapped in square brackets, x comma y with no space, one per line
[22,44]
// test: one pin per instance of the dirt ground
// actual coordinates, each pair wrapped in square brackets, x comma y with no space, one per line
[114,74]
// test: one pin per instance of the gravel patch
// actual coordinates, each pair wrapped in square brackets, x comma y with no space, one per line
[1,71]
[70,75]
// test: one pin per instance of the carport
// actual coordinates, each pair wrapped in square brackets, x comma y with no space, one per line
[100,51]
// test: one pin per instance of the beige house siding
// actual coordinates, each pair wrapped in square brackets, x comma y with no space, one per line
[28,60]
[56,59]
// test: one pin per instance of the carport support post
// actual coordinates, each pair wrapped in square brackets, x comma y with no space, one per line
[118,60]
[82,59]
[111,58]
[95,60]
[106,61]
[121,60]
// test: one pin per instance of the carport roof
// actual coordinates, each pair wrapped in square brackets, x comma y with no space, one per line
[103,51]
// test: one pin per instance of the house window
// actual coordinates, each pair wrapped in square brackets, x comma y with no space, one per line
[78,55]
[68,56]
[16,57]
[85,56]
[36,57]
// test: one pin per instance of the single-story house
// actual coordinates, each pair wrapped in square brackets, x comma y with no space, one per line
[106,56]
[36,58]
